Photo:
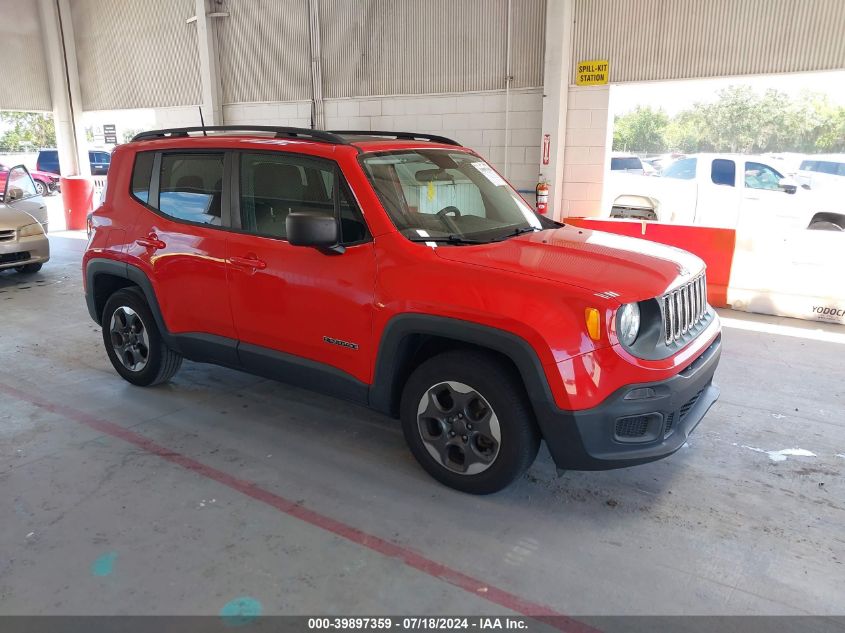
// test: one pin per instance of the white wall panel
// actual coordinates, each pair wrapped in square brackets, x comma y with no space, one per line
[678,39]
[25,85]
[392,47]
[136,54]
[264,51]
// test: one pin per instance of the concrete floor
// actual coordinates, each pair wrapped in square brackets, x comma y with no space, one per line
[181,498]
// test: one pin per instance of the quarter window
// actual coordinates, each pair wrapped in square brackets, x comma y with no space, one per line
[191,187]
[141,174]
[274,185]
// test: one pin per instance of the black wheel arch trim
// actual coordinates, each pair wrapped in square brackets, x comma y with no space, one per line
[394,349]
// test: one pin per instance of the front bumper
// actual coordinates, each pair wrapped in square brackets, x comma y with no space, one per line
[24,250]
[624,432]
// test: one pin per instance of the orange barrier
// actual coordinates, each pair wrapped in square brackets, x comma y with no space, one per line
[78,200]
[714,246]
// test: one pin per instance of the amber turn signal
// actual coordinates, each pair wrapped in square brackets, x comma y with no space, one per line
[592,317]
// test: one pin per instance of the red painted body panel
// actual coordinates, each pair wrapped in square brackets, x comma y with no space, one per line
[535,286]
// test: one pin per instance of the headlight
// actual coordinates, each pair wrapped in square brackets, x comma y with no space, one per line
[629,323]
[30,230]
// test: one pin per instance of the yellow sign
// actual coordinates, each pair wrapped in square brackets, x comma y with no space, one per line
[593,72]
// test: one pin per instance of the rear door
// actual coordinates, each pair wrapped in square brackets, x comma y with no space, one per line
[294,300]
[180,241]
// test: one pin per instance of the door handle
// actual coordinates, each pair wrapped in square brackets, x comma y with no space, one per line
[250,261]
[151,241]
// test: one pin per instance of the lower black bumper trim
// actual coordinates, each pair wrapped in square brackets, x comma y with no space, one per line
[587,440]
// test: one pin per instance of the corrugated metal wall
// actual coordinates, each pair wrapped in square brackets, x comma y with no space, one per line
[658,39]
[136,54]
[389,47]
[24,85]
[264,51]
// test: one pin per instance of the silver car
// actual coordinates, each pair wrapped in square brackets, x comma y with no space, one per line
[23,223]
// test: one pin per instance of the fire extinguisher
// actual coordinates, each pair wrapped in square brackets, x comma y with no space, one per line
[542,192]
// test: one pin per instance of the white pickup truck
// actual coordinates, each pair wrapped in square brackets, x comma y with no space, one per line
[721,190]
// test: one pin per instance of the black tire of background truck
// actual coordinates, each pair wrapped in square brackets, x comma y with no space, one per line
[502,388]
[162,362]
[28,269]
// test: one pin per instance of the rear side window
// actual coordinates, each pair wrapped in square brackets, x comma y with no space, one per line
[275,185]
[142,173]
[723,172]
[191,187]
[683,169]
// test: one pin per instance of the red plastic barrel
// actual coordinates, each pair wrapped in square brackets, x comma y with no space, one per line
[78,200]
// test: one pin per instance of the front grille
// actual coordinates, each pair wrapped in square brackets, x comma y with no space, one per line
[7,236]
[689,405]
[684,308]
[11,258]
[634,426]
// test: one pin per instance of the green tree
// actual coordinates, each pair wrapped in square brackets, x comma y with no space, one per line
[641,130]
[24,131]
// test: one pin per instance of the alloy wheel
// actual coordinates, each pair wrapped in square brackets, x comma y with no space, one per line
[129,339]
[459,427]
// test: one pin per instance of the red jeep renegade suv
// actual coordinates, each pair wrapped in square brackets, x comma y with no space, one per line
[401,271]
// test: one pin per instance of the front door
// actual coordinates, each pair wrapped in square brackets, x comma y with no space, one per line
[19,191]
[294,303]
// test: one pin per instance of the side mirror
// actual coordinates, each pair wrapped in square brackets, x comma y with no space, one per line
[788,185]
[14,193]
[312,229]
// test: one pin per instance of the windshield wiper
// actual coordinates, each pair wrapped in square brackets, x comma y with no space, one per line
[448,239]
[517,231]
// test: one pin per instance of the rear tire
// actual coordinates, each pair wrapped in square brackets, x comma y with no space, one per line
[467,421]
[133,342]
[28,269]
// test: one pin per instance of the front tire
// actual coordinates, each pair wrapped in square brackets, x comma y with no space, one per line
[468,422]
[28,269]
[133,342]
[41,188]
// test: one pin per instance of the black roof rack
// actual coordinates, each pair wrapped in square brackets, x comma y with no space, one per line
[279,132]
[409,136]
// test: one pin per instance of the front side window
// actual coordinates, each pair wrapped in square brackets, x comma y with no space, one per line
[683,169]
[19,185]
[441,194]
[723,172]
[759,176]
[191,187]
[274,185]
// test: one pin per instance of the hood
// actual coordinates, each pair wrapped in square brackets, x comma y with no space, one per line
[12,218]
[614,266]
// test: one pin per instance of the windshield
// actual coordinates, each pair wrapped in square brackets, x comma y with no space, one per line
[441,194]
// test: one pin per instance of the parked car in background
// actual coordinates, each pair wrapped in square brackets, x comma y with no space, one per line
[23,224]
[715,189]
[629,163]
[823,171]
[45,183]
[48,160]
